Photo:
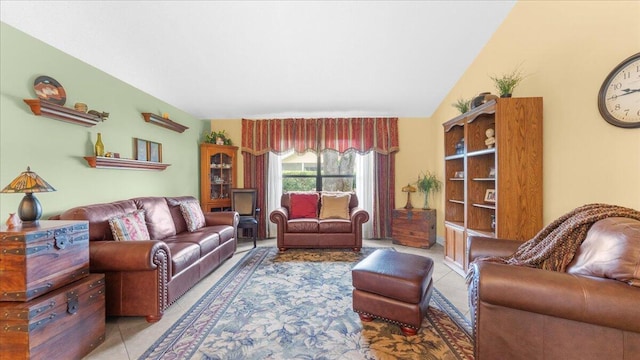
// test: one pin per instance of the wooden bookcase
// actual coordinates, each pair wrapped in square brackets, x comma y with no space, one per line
[218,175]
[516,158]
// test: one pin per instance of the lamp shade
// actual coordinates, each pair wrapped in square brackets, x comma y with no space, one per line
[28,182]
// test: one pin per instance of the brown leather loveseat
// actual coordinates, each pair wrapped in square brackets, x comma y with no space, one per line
[319,220]
[144,277]
[591,311]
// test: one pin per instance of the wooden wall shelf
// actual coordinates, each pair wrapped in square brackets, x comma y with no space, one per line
[102,162]
[53,111]
[166,123]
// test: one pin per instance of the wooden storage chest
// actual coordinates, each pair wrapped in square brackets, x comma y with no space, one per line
[66,323]
[414,227]
[36,259]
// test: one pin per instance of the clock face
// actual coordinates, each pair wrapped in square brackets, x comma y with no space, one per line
[619,97]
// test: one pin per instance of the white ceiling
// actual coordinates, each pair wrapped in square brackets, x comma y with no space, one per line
[263,59]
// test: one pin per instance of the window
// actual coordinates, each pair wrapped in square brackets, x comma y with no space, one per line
[328,171]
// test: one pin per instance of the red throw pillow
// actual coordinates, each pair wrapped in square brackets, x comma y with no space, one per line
[303,206]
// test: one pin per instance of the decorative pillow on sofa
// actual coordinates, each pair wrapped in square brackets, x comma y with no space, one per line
[129,227]
[303,206]
[610,250]
[193,215]
[335,206]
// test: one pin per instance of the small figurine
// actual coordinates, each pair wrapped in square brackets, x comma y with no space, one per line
[13,221]
[491,140]
[102,115]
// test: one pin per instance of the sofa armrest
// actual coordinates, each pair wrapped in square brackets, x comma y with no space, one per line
[359,216]
[592,300]
[230,218]
[279,216]
[478,246]
[135,255]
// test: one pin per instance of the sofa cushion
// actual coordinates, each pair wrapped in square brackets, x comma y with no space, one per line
[303,206]
[610,250]
[335,206]
[157,215]
[98,216]
[334,226]
[193,215]
[183,255]
[130,226]
[176,213]
[206,238]
[302,226]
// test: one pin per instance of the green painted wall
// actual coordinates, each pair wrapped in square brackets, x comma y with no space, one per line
[55,149]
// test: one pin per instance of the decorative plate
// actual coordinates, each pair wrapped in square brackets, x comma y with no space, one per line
[48,89]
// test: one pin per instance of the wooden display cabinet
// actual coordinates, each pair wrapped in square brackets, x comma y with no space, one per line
[218,175]
[512,167]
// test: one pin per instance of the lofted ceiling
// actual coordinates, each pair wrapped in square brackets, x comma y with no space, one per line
[263,59]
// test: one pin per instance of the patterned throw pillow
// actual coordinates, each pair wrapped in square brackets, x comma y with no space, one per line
[303,206]
[129,227]
[193,215]
[335,206]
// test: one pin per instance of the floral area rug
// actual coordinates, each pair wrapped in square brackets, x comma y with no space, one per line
[297,305]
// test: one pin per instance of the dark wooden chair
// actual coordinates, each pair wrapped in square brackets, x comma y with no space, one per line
[244,202]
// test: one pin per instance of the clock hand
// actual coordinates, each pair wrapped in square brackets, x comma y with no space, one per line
[626,92]
[629,91]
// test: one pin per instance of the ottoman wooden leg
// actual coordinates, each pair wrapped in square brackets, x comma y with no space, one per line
[365,318]
[407,331]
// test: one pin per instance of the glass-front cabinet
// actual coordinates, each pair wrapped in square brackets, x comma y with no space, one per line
[218,175]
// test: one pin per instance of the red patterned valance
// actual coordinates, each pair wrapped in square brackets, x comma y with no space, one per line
[302,135]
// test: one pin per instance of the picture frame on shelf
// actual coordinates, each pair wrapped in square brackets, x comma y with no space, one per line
[490,196]
[492,172]
[140,147]
[155,152]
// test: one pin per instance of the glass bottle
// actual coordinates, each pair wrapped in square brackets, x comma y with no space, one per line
[99,146]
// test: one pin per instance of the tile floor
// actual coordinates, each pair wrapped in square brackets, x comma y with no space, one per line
[129,337]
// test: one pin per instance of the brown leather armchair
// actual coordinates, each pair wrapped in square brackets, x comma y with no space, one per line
[590,312]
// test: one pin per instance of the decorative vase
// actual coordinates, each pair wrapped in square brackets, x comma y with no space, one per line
[13,220]
[99,146]
[460,147]
[425,206]
[505,95]
[81,107]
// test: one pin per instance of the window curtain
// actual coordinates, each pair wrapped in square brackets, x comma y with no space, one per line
[364,135]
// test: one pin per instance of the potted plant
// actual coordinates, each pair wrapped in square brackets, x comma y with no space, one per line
[462,105]
[217,137]
[506,83]
[428,183]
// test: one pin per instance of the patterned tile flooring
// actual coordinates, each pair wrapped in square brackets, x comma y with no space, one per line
[129,337]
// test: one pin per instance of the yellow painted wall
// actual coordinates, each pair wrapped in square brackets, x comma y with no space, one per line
[567,48]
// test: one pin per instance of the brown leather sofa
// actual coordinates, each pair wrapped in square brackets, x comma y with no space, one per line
[590,312]
[316,232]
[144,277]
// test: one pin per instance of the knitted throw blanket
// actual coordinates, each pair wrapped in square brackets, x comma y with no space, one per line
[554,247]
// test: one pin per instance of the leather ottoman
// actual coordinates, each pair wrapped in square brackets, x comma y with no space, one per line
[394,287]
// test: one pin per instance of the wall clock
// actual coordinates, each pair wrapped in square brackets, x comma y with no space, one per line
[619,96]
